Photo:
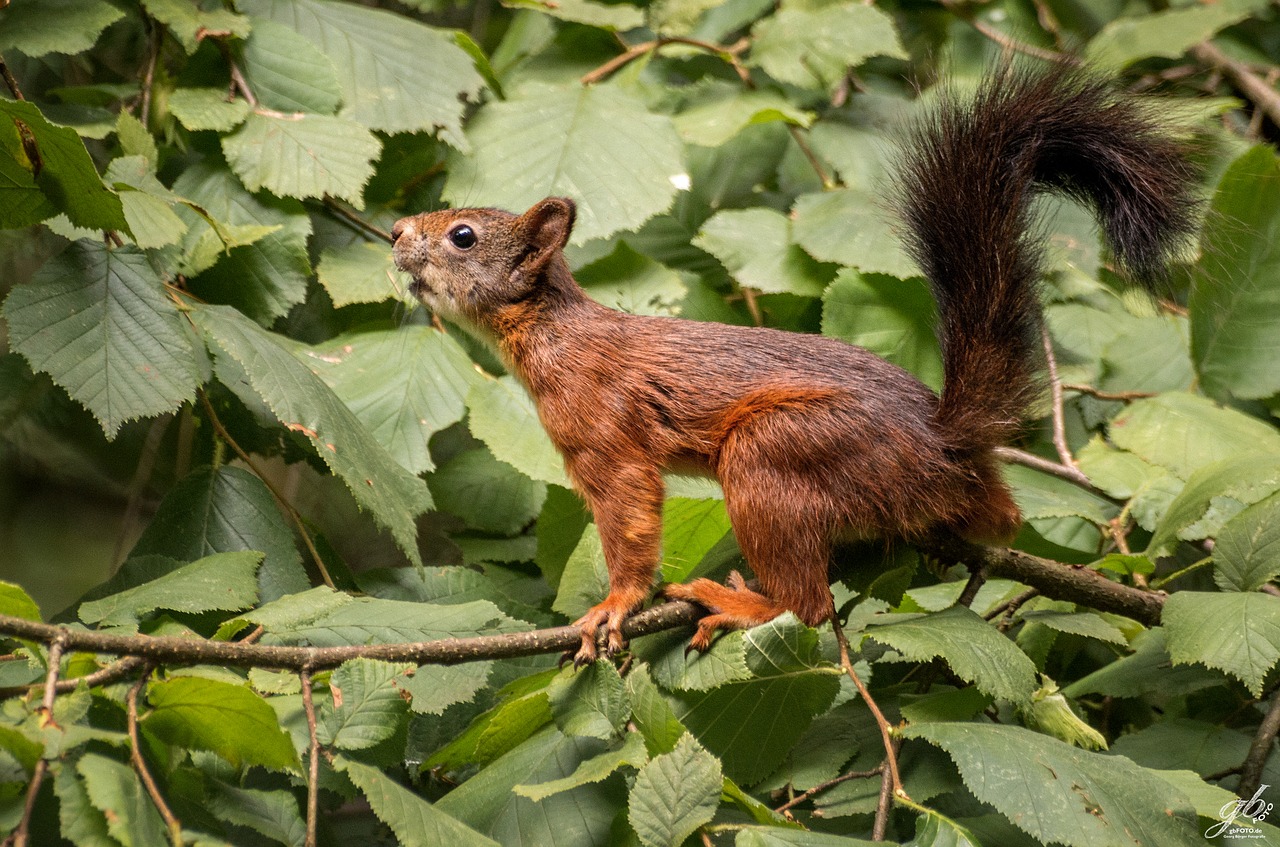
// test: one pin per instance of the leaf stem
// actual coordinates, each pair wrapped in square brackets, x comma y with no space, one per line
[1157,584]
[831,783]
[886,733]
[10,81]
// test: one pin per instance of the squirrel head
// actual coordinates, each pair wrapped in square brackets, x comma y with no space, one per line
[467,263]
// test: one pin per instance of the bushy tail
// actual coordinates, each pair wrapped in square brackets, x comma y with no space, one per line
[965,188]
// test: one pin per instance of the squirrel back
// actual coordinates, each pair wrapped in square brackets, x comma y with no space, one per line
[965,188]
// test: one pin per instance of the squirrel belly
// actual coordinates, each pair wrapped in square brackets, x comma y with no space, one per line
[811,438]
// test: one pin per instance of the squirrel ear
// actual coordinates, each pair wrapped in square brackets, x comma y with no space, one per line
[545,229]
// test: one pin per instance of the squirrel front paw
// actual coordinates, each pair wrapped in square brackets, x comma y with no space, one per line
[610,615]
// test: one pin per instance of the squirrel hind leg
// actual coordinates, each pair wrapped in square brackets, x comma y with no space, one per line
[731,606]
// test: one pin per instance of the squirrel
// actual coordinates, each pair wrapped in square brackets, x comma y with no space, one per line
[814,440]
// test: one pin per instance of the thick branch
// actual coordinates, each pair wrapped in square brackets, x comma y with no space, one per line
[450,651]
[1052,579]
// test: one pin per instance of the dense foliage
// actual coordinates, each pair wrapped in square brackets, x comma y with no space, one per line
[214,396]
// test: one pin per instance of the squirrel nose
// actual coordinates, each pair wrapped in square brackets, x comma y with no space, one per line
[398,229]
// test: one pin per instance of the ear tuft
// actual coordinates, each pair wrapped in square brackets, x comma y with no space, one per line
[545,230]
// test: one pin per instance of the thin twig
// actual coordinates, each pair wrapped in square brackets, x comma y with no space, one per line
[1074,475]
[149,74]
[1107,395]
[113,672]
[171,821]
[831,783]
[797,135]
[886,733]
[351,217]
[1263,743]
[1012,605]
[313,780]
[727,52]
[971,588]
[1058,417]
[1250,84]
[10,81]
[884,805]
[288,507]
[56,648]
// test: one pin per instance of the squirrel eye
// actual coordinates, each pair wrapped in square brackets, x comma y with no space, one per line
[463,237]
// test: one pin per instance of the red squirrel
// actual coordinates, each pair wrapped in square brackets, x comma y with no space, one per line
[813,439]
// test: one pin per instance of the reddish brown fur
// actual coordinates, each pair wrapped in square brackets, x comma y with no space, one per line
[812,439]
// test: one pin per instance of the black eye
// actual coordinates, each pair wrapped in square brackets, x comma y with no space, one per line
[463,237]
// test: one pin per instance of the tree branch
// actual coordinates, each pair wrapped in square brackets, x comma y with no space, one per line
[171,822]
[448,651]
[1250,84]
[57,646]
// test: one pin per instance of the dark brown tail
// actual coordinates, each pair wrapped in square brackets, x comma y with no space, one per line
[965,188]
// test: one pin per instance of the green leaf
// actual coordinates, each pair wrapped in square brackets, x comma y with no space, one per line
[1147,670]
[404,385]
[813,47]
[938,830]
[55,26]
[415,822]
[97,321]
[1040,496]
[207,109]
[772,709]
[675,669]
[303,155]
[850,226]
[1235,297]
[148,205]
[370,620]
[674,794]
[616,17]
[263,273]
[891,317]
[592,701]
[1060,794]
[779,837]
[633,283]
[435,688]
[580,816]
[1236,633]
[632,753]
[1087,624]
[228,719]
[223,511]
[718,110]
[15,601]
[755,246]
[504,418]
[274,814]
[1181,743]
[396,75]
[367,707]
[1247,554]
[65,173]
[81,823]
[358,273]
[1167,34]
[303,403]
[495,733]
[972,647]
[115,790]
[489,495]
[598,145]
[1185,432]
[287,72]
[223,582]
[690,530]
[1214,494]
[190,24]
[23,201]
[651,712]
[585,580]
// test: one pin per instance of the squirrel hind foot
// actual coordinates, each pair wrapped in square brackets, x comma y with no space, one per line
[731,606]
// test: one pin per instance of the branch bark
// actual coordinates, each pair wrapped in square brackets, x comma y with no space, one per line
[1052,579]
